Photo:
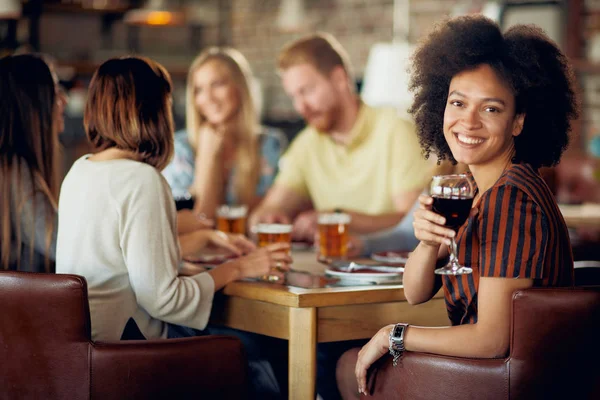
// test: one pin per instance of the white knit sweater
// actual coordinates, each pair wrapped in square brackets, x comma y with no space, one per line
[118,229]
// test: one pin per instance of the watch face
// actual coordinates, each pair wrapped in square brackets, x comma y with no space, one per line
[398,330]
[398,335]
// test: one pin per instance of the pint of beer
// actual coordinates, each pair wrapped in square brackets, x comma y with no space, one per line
[232,219]
[273,233]
[333,235]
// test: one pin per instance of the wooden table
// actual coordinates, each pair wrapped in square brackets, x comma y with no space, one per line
[306,317]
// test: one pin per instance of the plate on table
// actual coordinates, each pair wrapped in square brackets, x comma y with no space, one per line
[391,257]
[365,273]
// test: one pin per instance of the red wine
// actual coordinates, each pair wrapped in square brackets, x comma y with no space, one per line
[456,210]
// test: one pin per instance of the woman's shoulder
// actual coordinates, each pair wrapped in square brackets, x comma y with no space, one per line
[134,181]
[525,178]
[184,151]
[181,138]
[520,183]
[126,172]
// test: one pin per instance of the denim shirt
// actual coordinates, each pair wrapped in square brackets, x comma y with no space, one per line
[180,172]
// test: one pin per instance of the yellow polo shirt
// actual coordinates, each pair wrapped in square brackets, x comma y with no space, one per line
[382,159]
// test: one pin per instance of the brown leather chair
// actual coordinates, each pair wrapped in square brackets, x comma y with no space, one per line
[46,351]
[554,353]
[576,180]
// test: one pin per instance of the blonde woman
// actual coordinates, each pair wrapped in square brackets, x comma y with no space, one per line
[224,156]
[31,117]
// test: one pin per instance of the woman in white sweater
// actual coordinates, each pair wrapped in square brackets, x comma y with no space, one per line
[117,218]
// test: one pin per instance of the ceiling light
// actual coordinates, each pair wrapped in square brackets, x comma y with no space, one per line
[155,13]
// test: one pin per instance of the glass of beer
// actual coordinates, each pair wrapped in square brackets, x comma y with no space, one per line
[232,219]
[452,199]
[273,233]
[333,235]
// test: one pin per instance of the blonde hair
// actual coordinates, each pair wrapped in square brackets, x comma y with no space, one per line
[128,108]
[321,50]
[247,127]
[29,150]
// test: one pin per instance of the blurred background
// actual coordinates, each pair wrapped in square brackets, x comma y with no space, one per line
[378,34]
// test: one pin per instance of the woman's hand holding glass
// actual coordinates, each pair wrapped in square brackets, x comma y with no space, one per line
[269,263]
[451,202]
[429,226]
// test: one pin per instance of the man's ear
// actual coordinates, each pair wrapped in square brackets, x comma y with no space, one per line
[518,124]
[339,77]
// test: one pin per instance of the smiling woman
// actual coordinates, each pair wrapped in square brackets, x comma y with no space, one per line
[224,156]
[480,120]
[527,70]
[503,105]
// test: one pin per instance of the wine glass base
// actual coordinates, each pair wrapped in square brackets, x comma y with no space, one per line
[454,271]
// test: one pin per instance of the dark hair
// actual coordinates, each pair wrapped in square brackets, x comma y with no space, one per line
[28,145]
[128,108]
[536,71]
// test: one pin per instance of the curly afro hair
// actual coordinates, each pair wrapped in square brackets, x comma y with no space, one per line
[537,72]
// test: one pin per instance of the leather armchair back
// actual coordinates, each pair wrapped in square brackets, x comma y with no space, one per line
[554,353]
[46,351]
[44,336]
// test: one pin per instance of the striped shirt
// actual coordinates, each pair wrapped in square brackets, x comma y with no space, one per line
[518,232]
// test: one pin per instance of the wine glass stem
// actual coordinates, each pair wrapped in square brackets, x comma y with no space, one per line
[453,262]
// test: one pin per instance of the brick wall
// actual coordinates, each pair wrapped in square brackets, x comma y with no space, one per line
[69,37]
[250,26]
[589,78]
[357,24]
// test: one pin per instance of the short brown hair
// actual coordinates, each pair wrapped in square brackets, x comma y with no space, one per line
[128,108]
[321,50]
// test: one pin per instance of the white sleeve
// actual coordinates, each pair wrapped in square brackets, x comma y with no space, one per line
[151,252]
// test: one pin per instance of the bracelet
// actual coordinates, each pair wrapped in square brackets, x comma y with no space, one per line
[397,342]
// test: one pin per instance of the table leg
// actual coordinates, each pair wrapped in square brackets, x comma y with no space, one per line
[303,353]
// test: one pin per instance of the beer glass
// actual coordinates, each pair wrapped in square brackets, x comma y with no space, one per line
[452,198]
[232,219]
[333,235]
[273,233]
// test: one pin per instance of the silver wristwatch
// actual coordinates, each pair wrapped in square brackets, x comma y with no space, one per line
[397,342]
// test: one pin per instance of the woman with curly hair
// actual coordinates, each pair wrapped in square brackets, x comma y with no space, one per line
[503,105]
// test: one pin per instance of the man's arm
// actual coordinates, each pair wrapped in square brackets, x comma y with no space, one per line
[281,204]
[399,237]
[365,223]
